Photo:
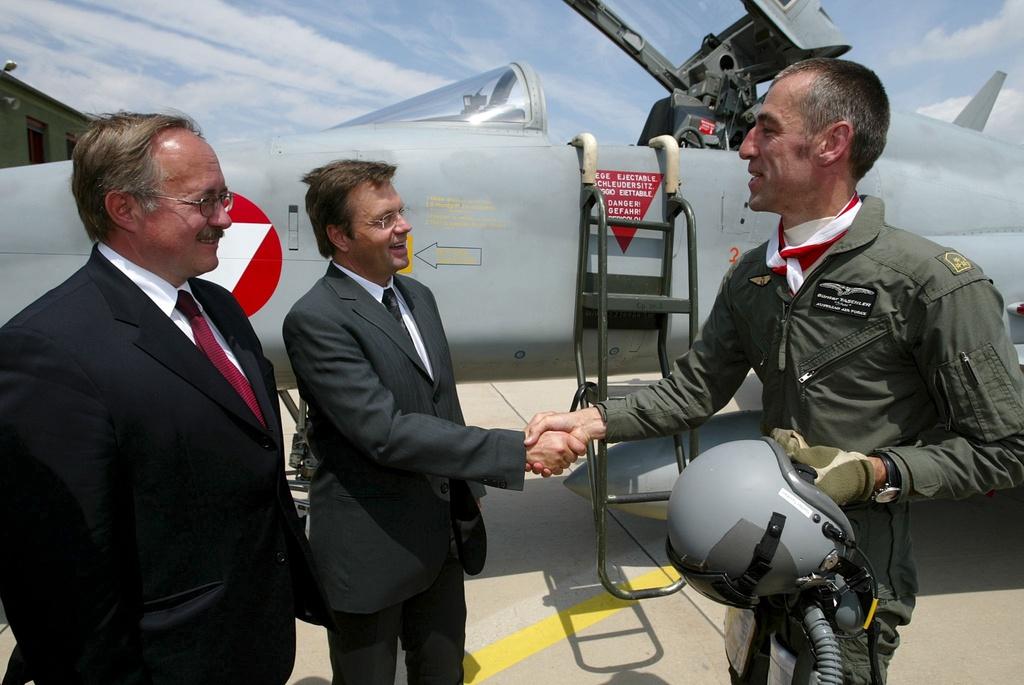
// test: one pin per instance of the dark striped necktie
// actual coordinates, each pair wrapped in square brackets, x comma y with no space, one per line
[391,302]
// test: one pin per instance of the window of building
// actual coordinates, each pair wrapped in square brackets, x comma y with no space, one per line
[70,140]
[36,140]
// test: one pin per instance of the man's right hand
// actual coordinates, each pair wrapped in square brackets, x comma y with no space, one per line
[553,452]
[585,425]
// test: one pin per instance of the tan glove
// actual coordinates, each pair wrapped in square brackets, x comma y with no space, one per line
[790,440]
[844,476]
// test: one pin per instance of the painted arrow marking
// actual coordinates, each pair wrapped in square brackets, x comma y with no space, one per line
[439,255]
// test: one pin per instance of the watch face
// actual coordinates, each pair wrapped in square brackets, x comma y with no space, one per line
[886,495]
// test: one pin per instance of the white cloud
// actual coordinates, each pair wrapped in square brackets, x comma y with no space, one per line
[945,110]
[277,47]
[85,82]
[238,72]
[999,32]
[1006,121]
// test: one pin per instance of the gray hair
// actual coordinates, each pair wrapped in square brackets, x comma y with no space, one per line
[115,154]
[845,91]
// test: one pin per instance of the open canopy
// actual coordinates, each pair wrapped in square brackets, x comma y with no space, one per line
[508,97]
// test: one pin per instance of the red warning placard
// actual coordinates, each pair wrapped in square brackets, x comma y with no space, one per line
[628,195]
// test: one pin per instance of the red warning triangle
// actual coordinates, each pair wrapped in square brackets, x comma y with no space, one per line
[628,195]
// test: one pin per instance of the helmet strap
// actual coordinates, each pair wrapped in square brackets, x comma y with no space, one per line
[764,552]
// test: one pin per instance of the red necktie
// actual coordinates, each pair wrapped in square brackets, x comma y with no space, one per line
[206,342]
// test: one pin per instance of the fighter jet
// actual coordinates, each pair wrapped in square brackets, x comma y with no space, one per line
[496,205]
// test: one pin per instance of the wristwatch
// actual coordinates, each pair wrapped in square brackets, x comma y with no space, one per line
[892,487]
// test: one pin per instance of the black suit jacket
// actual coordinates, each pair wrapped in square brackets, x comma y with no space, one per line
[147,529]
[394,450]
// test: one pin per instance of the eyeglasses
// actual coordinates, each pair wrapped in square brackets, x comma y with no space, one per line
[207,204]
[389,220]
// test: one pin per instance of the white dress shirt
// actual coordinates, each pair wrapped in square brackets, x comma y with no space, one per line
[165,297]
[377,293]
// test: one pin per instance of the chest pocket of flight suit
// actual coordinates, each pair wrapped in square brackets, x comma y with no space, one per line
[833,356]
[979,398]
[849,377]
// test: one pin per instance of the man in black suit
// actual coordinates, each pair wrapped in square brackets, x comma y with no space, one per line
[147,529]
[393,523]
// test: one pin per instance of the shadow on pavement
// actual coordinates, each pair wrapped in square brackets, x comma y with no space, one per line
[628,678]
[970,545]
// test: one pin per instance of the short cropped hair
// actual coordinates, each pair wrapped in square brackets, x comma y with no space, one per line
[116,154]
[844,90]
[329,189]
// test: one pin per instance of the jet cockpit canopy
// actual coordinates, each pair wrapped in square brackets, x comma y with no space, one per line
[713,93]
[508,97]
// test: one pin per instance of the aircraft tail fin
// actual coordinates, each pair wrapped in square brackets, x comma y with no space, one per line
[975,115]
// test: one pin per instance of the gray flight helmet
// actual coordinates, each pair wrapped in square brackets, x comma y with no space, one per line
[743,523]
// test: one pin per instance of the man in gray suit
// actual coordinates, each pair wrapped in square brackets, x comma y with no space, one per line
[393,522]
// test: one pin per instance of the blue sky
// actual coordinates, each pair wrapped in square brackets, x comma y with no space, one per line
[274,67]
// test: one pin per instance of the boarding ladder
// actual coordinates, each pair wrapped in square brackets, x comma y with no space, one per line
[644,299]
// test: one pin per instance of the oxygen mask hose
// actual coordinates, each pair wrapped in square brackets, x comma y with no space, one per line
[828,663]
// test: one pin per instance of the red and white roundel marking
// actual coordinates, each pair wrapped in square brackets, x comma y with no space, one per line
[250,257]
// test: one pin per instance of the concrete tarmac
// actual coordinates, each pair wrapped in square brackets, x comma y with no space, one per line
[537,613]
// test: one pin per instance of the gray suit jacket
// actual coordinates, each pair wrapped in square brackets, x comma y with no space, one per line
[394,450]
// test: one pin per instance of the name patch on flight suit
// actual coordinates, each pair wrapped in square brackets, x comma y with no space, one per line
[842,298]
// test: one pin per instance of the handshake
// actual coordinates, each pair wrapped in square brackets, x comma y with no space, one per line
[553,440]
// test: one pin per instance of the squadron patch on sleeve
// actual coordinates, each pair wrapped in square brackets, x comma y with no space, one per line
[955,262]
[842,298]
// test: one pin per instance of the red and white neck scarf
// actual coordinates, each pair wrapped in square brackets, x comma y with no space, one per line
[794,260]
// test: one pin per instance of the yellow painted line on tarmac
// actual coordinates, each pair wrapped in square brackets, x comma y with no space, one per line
[509,651]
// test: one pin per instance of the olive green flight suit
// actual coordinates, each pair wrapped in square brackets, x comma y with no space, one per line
[893,344]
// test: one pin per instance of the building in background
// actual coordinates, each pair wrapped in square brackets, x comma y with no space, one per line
[34,127]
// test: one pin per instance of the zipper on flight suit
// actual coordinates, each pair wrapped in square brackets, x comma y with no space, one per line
[943,391]
[965,361]
[940,386]
[947,406]
[807,375]
[784,335]
[787,309]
